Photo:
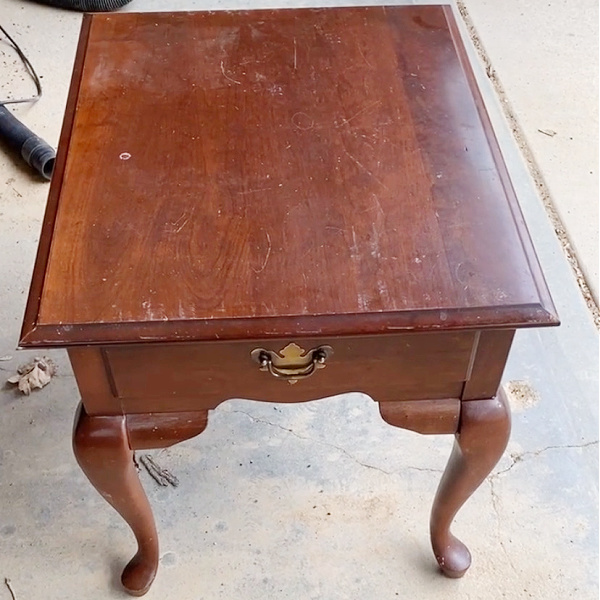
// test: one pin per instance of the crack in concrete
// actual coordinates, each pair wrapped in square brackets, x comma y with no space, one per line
[517,458]
[330,445]
[438,471]
[495,502]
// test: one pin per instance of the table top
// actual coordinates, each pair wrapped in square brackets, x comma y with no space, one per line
[278,172]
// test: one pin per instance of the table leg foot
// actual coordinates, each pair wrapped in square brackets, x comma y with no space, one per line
[481,439]
[103,452]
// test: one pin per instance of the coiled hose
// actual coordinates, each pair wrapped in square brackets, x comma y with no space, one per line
[87,5]
[33,149]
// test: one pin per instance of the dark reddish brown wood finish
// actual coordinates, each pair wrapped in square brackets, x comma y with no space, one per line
[228,181]
[103,452]
[223,146]
[488,364]
[160,430]
[94,381]
[30,319]
[202,375]
[423,416]
[481,439]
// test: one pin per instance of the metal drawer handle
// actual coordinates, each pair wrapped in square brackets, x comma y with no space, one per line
[292,363]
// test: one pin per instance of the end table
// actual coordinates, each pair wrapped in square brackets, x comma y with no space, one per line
[281,205]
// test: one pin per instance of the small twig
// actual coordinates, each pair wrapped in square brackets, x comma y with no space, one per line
[152,469]
[7,584]
[162,476]
[548,132]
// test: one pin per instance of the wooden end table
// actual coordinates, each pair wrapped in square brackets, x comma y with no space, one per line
[281,205]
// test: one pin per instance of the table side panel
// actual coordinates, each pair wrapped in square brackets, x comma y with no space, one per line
[488,364]
[94,381]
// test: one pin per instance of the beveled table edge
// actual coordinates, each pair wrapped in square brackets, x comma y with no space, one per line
[61,335]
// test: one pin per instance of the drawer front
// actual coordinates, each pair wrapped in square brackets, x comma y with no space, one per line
[201,375]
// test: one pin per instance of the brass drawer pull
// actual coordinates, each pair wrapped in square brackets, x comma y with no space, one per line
[292,363]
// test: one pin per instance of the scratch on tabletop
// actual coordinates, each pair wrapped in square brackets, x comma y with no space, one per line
[297,120]
[266,257]
[358,163]
[180,224]
[255,191]
[360,112]
[227,76]
[295,56]
[364,57]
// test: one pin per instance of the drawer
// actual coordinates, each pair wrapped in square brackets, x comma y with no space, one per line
[175,377]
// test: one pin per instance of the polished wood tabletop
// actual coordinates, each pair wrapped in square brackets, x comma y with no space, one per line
[316,171]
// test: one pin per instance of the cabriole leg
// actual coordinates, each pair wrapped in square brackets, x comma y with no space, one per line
[102,450]
[483,433]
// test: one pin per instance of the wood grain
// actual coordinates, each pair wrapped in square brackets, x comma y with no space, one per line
[186,377]
[92,374]
[103,452]
[480,441]
[311,170]
[423,416]
[30,319]
[151,430]
[488,364]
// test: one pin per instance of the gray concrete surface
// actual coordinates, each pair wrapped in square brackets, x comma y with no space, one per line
[316,501]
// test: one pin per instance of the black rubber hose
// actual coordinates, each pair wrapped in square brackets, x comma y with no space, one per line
[86,5]
[33,149]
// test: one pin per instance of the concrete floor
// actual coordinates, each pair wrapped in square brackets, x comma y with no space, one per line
[316,501]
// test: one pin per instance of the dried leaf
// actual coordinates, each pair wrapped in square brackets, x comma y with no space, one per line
[34,375]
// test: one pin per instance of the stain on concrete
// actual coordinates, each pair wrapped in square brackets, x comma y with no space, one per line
[168,559]
[521,395]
